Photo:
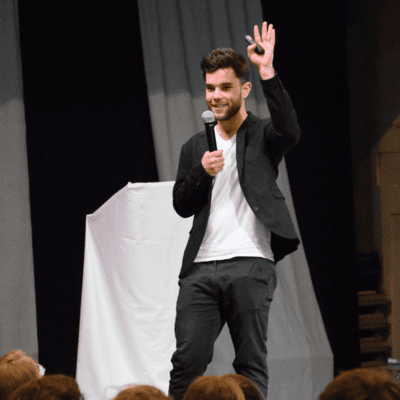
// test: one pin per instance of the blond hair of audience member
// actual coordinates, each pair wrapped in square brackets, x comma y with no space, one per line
[142,392]
[215,388]
[16,368]
[49,387]
[362,384]
[249,389]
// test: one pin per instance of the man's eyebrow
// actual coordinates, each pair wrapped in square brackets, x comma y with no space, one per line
[221,84]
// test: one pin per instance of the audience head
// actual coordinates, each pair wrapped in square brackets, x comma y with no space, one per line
[16,368]
[49,387]
[249,389]
[142,392]
[214,387]
[362,384]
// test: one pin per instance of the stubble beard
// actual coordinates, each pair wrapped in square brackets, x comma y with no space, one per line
[231,111]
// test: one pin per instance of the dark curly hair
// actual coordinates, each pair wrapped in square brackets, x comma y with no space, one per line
[226,58]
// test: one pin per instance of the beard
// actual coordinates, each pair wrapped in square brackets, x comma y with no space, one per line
[231,111]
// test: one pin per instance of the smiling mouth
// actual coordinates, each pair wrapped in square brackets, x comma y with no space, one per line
[220,105]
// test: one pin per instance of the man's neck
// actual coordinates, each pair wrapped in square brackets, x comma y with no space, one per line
[227,129]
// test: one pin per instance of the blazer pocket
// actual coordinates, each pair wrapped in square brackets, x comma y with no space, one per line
[277,194]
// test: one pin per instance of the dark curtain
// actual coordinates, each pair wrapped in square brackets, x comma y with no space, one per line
[88,135]
[311,60]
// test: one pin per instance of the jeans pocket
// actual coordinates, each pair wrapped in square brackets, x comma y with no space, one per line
[264,282]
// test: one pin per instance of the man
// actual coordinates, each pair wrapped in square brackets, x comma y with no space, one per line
[241,225]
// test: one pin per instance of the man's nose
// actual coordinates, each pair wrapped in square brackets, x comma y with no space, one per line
[217,93]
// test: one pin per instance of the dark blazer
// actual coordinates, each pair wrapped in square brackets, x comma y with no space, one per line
[260,146]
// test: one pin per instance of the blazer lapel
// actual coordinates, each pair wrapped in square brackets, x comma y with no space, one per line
[203,144]
[241,141]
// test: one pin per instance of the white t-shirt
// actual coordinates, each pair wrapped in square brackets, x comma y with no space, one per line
[233,230]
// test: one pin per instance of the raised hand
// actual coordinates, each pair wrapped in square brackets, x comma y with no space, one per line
[267,42]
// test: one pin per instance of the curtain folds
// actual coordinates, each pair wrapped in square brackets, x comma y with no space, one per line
[17,290]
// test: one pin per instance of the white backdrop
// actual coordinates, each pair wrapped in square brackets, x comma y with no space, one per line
[133,254]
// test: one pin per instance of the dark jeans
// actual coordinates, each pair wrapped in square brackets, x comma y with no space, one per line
[237,291]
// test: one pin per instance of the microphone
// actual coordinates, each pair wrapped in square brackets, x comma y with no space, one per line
[208,118]
[259,50]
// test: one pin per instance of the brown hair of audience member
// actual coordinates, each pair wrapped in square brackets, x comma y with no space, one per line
[16,368]
[362,384]
[142,392]
[214,387]
[249,389]
[49,387]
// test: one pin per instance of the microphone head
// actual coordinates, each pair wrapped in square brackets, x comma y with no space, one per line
[208,117]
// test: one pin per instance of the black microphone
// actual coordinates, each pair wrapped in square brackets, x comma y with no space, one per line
[259,50]
[208,118]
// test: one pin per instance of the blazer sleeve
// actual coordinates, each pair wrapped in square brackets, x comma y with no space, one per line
[283,133]
[190,191]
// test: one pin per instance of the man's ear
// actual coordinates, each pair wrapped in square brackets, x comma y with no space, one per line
[246,89]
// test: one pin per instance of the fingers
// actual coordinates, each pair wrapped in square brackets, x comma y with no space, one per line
[267,33]
[251,49]
[217,163]
[271,35]
[217,153]
[256,34]
[264,31]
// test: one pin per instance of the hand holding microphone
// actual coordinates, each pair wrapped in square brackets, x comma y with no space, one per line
[213,160]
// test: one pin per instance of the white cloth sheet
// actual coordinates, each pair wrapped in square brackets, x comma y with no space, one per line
[133,253]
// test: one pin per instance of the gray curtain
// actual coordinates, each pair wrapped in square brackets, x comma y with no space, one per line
[17,291]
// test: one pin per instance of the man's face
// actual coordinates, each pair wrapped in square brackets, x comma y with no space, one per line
[223,93]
